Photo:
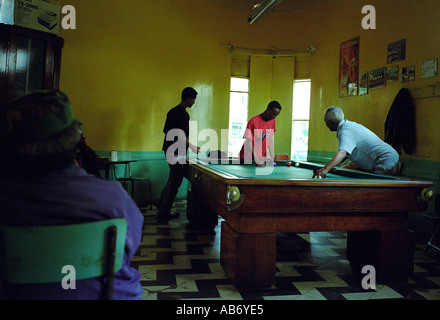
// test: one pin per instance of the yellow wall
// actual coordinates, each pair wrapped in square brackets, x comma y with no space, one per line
[413,20]
[125,65]
[271,78]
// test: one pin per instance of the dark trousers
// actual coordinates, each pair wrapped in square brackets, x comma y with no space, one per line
[170,190]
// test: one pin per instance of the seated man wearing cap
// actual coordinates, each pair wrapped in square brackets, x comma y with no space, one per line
[42,185]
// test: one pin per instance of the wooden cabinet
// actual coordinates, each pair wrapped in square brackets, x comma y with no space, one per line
[29,60]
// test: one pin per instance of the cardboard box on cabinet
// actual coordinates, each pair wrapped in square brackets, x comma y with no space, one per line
[42,15]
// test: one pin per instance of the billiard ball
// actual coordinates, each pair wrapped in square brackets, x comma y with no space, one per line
[274,164]
[289,164]
[296,164]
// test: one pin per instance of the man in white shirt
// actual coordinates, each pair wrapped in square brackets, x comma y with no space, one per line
[358,144]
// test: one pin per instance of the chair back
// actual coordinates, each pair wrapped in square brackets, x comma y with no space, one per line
[30,255]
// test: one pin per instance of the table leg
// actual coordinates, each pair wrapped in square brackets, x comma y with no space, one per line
[107,171]
[198,213]
[248,259]
[390,252]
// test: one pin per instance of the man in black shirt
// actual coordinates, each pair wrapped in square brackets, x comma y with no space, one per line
[175,146]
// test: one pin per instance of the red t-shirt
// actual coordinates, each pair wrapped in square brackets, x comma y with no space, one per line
[260,132]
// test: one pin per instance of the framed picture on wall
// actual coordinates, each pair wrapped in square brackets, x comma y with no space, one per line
[363,83]
[377,78]
[396,51]
[429,68]
[349,68]
[392,73]
[408,74]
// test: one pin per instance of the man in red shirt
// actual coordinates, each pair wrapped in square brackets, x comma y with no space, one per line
[259,136]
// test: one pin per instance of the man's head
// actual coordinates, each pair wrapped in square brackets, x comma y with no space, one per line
[272,111]
[39,133]
[189,96]
[332,117]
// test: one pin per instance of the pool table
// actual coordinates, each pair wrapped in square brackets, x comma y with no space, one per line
[257,203]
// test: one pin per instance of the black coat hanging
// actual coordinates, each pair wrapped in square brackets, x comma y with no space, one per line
[400,124]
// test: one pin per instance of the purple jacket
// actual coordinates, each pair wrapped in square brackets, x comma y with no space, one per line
[72,196]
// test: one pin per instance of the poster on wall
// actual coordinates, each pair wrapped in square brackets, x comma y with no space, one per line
[408,74]
[392,73]
[363,83]
[349,68]
[377,78]
[396,51]
[429,68]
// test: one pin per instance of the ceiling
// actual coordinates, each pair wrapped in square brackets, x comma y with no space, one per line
[286,5]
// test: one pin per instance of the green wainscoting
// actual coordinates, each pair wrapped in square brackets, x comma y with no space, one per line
[152,165]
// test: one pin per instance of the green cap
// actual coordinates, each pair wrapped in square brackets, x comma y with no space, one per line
[38,116]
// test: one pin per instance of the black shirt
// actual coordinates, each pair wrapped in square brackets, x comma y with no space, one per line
[177,118]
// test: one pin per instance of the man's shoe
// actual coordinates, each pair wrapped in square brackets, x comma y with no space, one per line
[168,216]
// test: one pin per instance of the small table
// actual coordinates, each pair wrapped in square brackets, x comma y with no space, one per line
[107,164]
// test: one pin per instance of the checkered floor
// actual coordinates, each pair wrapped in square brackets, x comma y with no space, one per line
[178,263]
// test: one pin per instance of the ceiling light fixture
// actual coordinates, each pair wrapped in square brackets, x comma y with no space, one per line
[262,9]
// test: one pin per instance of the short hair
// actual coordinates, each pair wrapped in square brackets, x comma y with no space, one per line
[334,114]
[189,93]
[36,159]
[274,104]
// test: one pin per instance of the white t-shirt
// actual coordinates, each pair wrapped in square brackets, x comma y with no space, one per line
[365,148]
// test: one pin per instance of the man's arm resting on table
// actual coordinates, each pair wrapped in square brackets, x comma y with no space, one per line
[337,159]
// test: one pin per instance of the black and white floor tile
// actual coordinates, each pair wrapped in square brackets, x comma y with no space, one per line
[178,263]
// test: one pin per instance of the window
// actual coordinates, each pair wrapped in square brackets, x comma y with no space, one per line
[238,111]
[300,119]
